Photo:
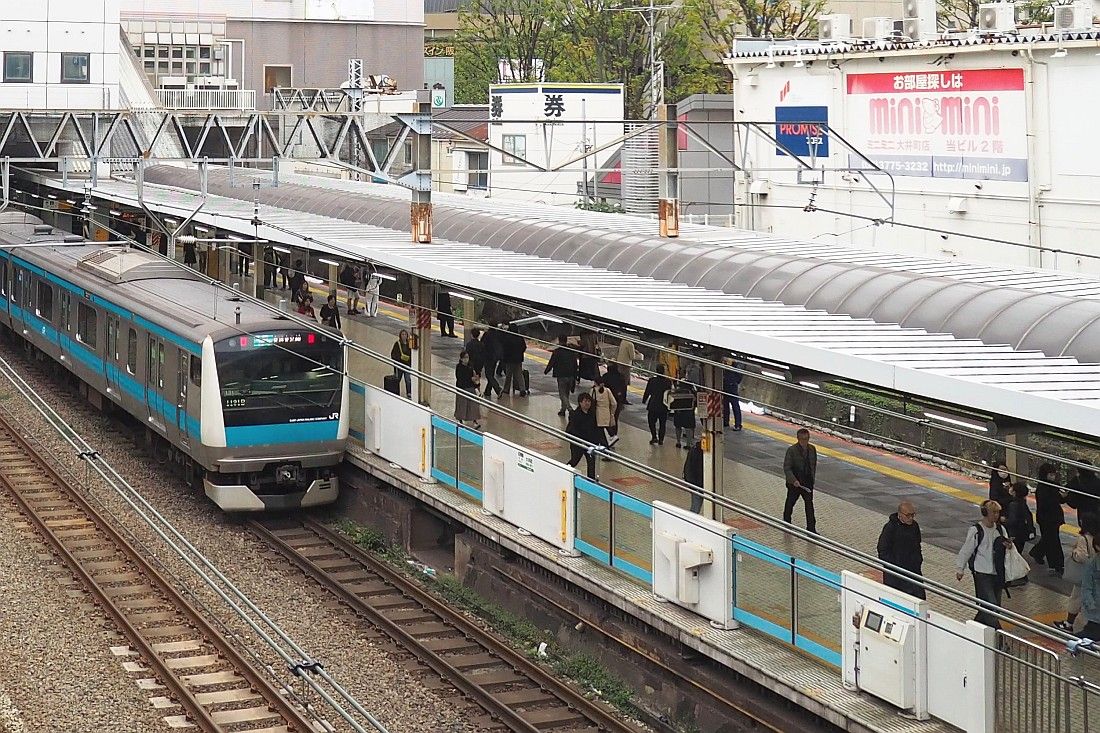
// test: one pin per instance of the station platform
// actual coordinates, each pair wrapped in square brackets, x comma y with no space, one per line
[858,488]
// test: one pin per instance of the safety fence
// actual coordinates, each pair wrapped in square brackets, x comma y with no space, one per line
[1039,691]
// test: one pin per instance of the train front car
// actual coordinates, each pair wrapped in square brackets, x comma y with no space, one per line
[274,418]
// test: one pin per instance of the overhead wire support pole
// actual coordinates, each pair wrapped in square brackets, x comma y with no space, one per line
[420,126]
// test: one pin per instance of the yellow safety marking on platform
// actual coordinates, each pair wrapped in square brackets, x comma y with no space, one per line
[907,477]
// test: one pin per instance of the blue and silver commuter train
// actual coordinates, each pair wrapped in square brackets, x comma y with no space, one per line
[253,405]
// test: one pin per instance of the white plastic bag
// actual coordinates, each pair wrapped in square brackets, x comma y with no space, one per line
[1016,566]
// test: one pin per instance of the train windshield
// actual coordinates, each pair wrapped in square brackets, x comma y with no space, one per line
[280,377]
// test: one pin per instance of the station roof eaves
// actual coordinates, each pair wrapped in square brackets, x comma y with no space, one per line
[998,379]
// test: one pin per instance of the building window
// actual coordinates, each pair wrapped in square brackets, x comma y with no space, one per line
[277,76]
[75,67]
[18,67]
[514,145]
[478,165]
[86,325]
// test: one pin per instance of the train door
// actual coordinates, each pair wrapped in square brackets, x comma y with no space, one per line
[154,385]
[113,359]
[183,361]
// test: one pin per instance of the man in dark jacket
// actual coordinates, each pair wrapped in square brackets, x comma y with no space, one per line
[492,350]
[476,351]
[446,314]
[899,544]
[582,425]
[800,470]
[563,367]
[693,474]
[513,348]
[731,383]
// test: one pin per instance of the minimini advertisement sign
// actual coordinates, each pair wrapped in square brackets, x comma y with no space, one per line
[967,124]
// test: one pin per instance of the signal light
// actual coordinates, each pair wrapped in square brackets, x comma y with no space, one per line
[311,338]
[244,342]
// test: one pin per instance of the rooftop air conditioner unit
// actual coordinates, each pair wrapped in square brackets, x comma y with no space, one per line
[835,27]
[1074,17]
[996,18]
[920,18]
[878,28]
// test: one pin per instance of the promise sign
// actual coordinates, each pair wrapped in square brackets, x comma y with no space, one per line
[968,124]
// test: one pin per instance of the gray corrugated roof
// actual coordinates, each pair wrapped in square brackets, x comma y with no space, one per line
[329,216]
[1056,313]
[756,48]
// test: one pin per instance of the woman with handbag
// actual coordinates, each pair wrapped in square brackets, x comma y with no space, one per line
[1084,550]
[604,405]
[467,380]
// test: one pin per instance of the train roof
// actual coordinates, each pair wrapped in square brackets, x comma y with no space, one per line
[164,293]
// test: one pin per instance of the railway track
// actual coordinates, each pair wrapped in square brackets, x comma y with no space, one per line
[217,689]
[516,693]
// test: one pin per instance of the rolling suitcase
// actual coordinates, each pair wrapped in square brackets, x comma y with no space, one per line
[526,381]
[392,383]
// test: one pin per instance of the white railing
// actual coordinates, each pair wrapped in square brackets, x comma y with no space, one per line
[207,98]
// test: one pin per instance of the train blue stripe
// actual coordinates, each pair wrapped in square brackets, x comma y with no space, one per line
[300,432]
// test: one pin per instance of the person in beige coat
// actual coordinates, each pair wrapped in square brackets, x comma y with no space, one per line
[626,357]
[604,405]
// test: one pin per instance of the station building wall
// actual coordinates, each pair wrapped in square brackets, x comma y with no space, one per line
[1007,151]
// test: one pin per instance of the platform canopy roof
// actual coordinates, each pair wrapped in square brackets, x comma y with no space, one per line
[586,262]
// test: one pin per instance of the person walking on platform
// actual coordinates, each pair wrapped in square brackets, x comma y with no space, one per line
[684,422]
[626,357]
[604,404]
[693,474]
[492,349]
[476,350]
[1018,518]
[446,314]
[466,379]
[899,544]
[614,381]
[190,255]
[1084,549]
[330,313]
[670,359]
[1084,495]
[271,267]
[589,362]
[1049,497]
[347,279]
[731,383]
[582,425]
[800,472]
[563,367]
[1000,485]
[297,280]
[513,348]
[1090,595]
[983,552]
[656,406]
[402,354]
[305,307]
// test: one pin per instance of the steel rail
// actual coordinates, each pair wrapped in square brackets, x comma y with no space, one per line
[564,694]
[154,579]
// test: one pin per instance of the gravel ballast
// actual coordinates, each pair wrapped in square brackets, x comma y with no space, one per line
[327,632]
[59,672]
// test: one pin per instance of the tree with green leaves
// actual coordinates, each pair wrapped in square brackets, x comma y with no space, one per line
[758,19]
[523,32]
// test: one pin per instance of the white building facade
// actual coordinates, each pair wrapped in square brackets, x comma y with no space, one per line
[985,135]
[549,124]
[59,55]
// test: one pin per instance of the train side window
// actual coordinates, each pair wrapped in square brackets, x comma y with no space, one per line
[44,308]
[196,370]
[65,308]
[112,337]
[131,352]
[4,279]
[86,324]
[160,365]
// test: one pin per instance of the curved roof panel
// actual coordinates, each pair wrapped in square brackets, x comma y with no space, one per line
[996,305]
